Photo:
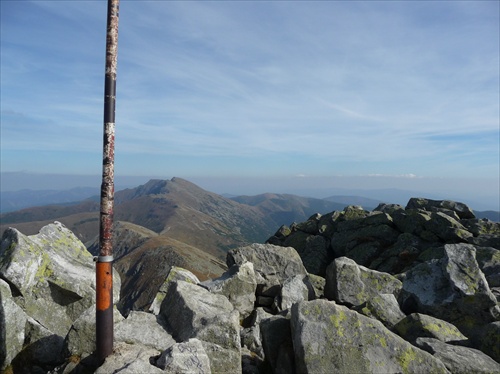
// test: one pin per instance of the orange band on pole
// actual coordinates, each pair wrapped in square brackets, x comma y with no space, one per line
[104,280]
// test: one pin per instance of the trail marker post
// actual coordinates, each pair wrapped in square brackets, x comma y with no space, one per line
[104,262]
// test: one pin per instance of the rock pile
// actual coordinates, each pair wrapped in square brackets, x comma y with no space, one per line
[396,290]
[47,284]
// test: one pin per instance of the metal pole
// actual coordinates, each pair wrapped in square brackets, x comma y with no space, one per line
[104,265]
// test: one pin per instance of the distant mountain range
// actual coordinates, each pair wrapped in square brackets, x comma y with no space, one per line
[173,222]
[15,200]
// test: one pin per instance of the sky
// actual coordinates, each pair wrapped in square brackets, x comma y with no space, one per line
[278,94]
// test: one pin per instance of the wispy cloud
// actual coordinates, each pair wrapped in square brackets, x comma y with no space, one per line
[347,87]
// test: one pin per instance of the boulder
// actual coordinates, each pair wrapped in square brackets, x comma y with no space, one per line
[175,273]
[52,275]
[238,284]
[277,344]
[310,226]
[488,260]
[351,284]
[488,340]
[452,288]
[330,338]
[384,308]
[457,359]
[185,357]
[418,325]
[447,229]
[352,212]
[401,255]
[317,286]
[412,221]
[294,290]
[363,239]
[485,240]
[252,341]
[191,311]
[479,227]
[374,218]
[42,349]
[80,340]
[130,359]
[273,265]
[251,338]
[388,208]
[12,323]
[461,209]
[328,222]
[143,328]
[314,250]
[250,363]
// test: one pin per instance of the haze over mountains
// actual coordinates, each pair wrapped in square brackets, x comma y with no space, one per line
[480,195]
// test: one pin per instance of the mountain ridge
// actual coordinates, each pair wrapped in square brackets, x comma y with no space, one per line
[174,219]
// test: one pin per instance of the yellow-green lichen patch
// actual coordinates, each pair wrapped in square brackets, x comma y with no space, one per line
[406,358]
[382,340]
[446,330]
[44,270]
[336,320]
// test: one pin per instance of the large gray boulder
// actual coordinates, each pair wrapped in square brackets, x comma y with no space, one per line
[363,239]
[351,284]
[330,338]
[384,308]
[273,265]
[447,228]
[453,289]
[488,340]
[238,284]
[251,338]
[143,328]
[191,311]
[488,260]
[185,357]
[293,291]
[277,344]
[80,340]
[175,274]
[130,359]
[461,209]
[457,359]
[314,250]
[418,325]
[51,277]
[41,351]
[12,323]
[411,221]
[52,274]
[400,255]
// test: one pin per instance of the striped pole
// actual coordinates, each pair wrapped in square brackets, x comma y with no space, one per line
[104,262]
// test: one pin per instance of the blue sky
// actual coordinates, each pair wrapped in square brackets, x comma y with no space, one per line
[383,90]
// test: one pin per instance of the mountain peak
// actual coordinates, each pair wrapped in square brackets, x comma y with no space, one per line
[163,186]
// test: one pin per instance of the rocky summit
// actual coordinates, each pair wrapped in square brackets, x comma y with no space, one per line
[412,289]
